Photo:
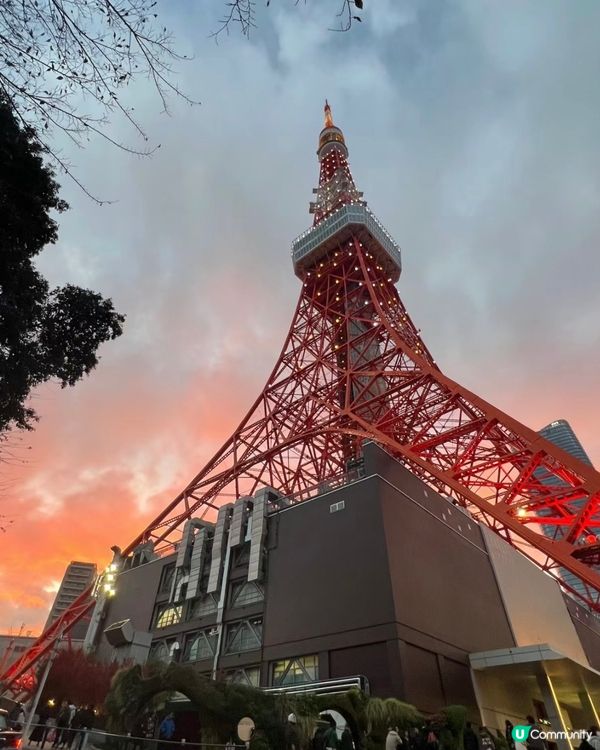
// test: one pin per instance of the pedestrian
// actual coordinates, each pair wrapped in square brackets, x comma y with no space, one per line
[415,740]
[508,729]
[486,741]
[20,723]
[76,728]
[392,740]
[15,713]
[150,726]
[318,741]
[292,733]
[330,738]
[166,729]
[431,740]
[87,718]
[258,740]
[594,738]
[535,742]
[40,729]
[69,732]
[346,741]
[470,739]
[62,724]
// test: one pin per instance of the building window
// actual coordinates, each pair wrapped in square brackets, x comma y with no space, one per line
[201,645]
[167,614]
[163,651]
[244,636]
[246,676]
[203,606]
[246,592]
[159,652]
[295,671]
[166,579]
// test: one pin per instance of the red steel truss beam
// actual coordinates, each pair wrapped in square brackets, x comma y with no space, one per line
[46,641]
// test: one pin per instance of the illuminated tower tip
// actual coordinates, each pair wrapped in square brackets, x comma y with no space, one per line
[328,115]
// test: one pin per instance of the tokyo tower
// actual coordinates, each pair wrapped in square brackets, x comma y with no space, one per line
[353,368]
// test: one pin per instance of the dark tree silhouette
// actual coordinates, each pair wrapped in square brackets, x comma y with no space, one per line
[44,333]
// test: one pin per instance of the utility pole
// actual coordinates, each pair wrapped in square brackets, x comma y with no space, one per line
[42,684]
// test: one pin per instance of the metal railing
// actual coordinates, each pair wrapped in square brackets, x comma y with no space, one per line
[345,216]
[96,739]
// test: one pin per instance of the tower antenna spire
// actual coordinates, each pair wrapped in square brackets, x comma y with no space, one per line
[336,186]
[328,115]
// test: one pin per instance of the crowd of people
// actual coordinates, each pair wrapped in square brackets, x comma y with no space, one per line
[62,726]
[65,727]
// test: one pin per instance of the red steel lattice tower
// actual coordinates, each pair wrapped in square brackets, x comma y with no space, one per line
[352,368]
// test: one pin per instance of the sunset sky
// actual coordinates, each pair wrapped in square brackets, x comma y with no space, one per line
[473,131]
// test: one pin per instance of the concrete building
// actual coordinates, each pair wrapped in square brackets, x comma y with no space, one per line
[12,646]
[378,577]
[78,576]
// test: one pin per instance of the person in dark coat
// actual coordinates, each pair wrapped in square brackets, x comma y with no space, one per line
[318,741]
[534,743]
[84,720]
[330,737]
[149,727]
[76,728]
[62,724]
[346,741]
[486,741]
[470,738]
[508,728]
[258,741]
[292,733]
[40,729]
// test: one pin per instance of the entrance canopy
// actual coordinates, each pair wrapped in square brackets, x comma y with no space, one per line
[512,683]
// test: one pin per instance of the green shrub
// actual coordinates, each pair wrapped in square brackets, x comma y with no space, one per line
[401,715]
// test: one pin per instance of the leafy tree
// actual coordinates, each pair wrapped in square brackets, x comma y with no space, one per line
[79,677]
[44,333]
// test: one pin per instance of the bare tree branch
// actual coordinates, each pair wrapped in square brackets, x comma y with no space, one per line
[61,58]
[242,13]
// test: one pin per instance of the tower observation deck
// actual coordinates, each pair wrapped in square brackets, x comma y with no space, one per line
[340,213]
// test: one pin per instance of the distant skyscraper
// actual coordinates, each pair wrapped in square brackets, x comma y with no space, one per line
[562,435]
[78,576]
